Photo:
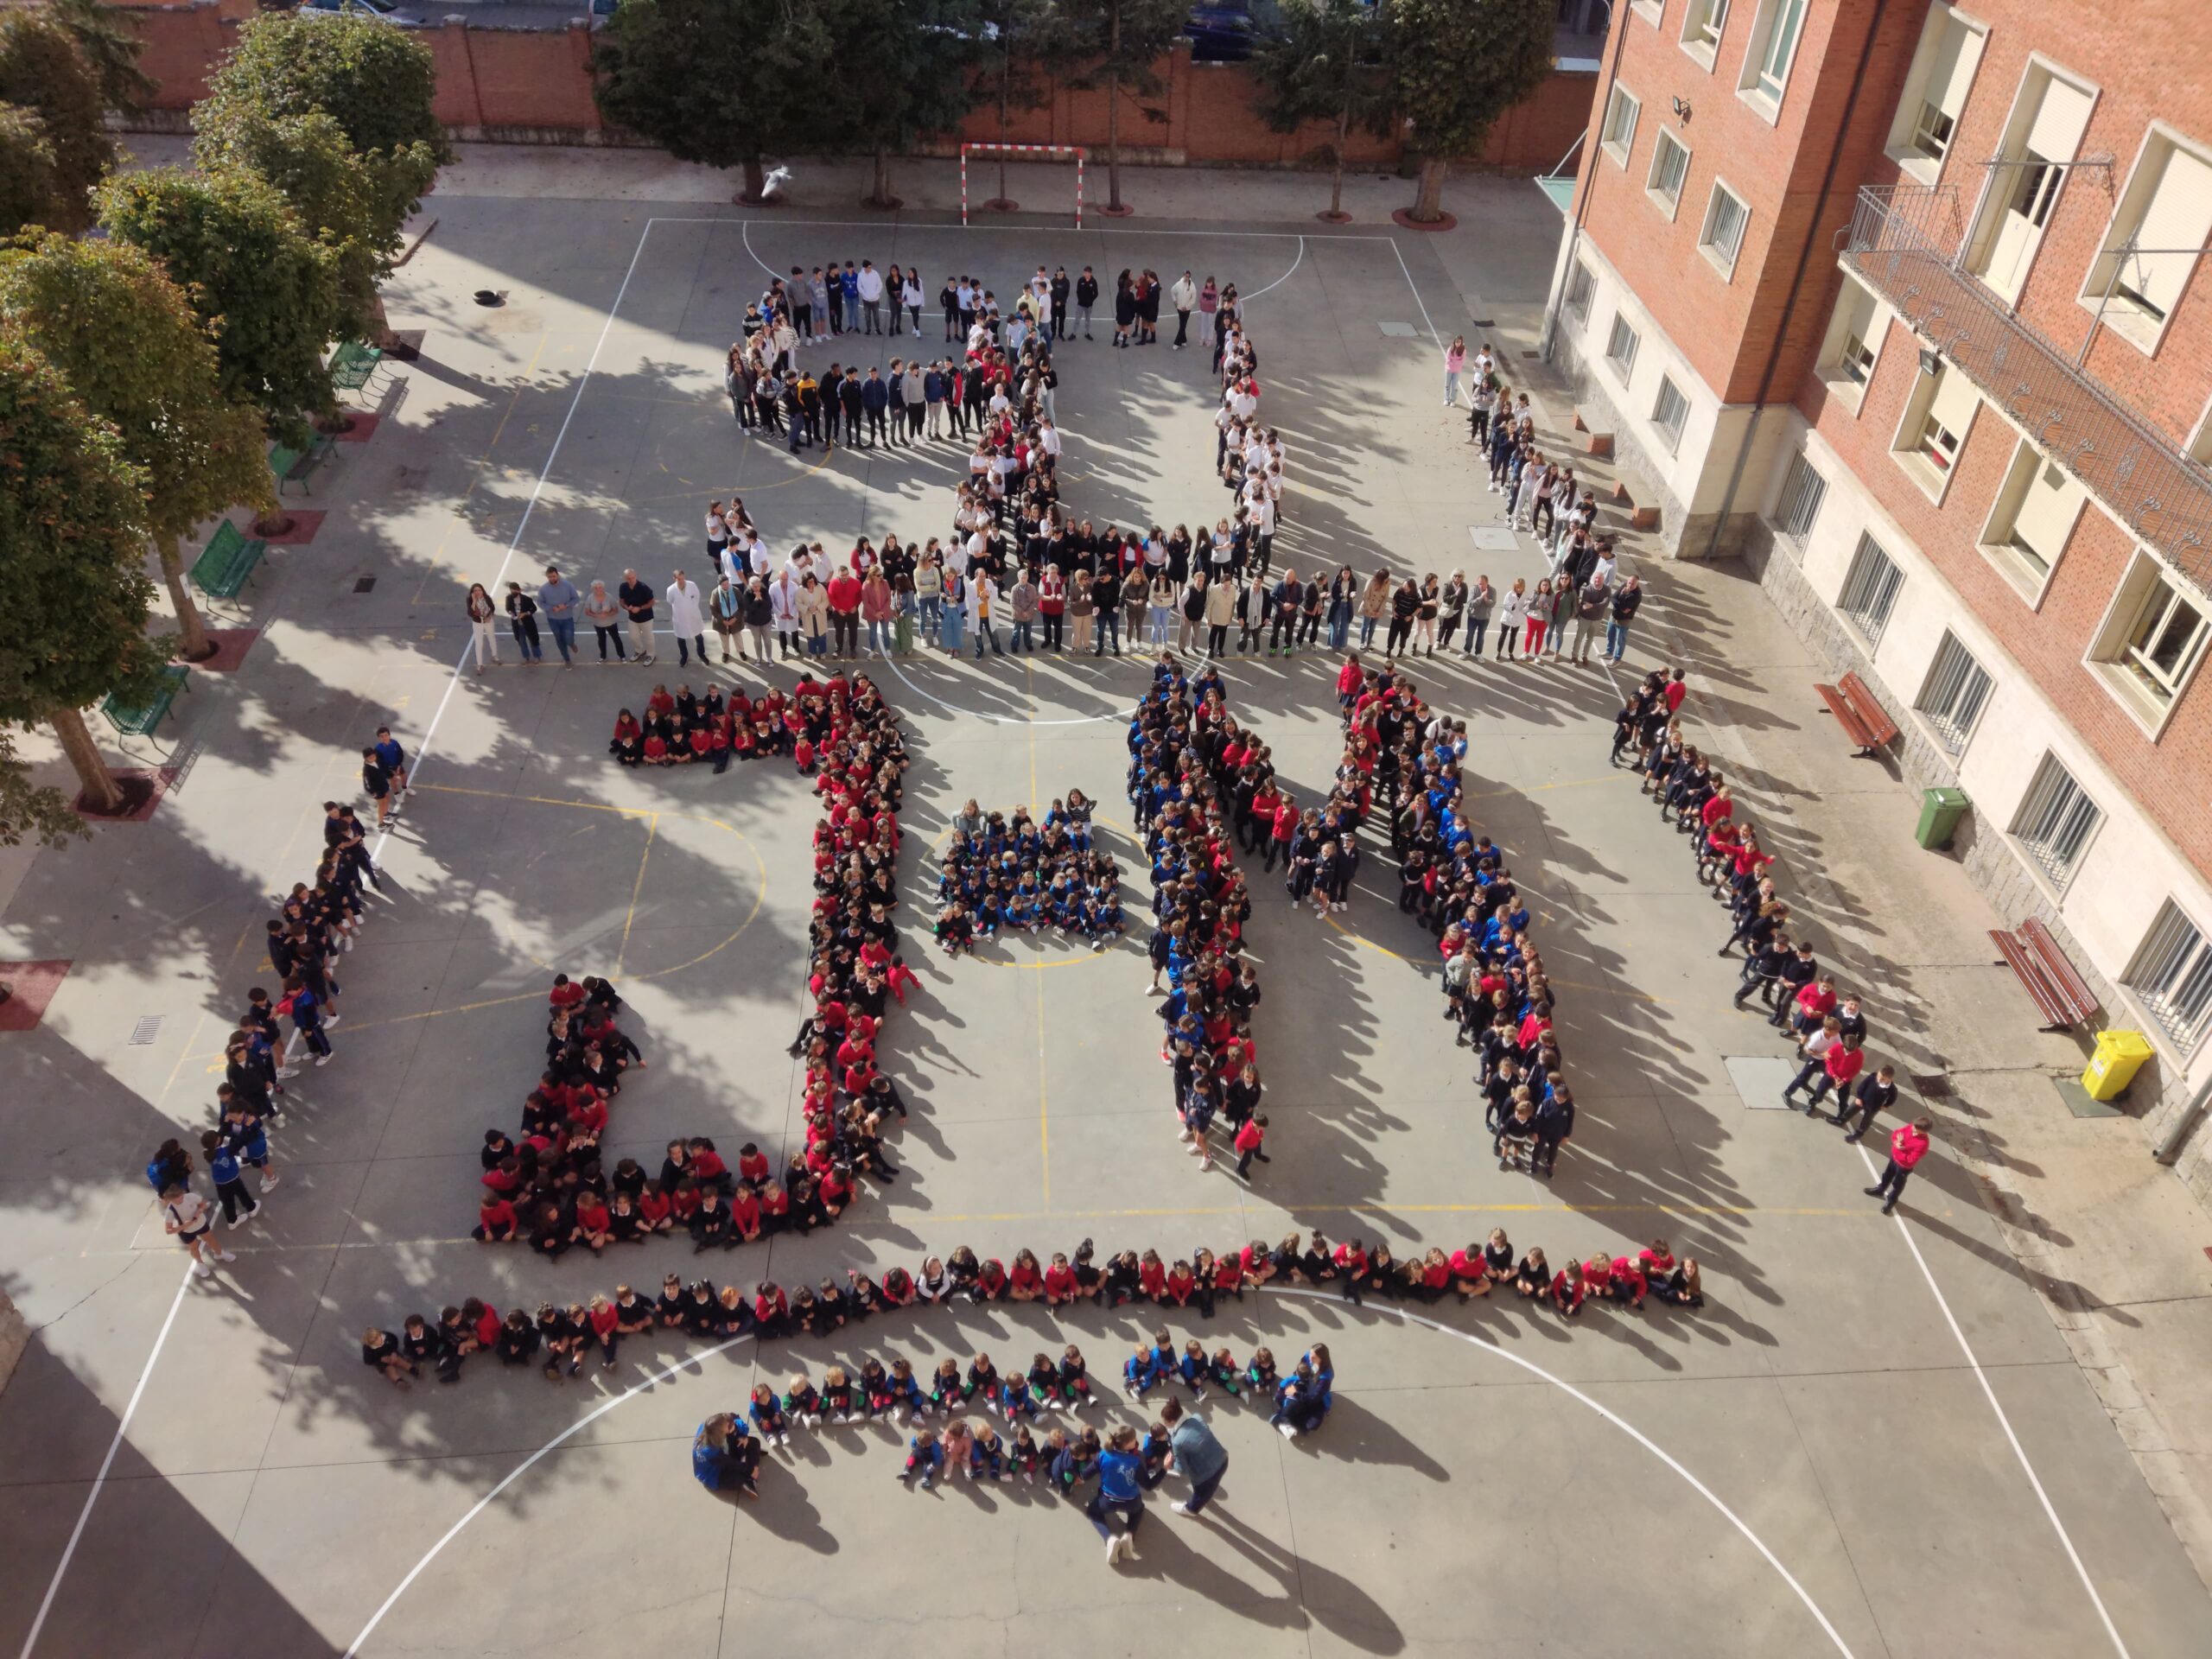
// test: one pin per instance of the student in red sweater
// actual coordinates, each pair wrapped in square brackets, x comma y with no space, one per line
[1249,1137]
[1908,1146]
[1285,826]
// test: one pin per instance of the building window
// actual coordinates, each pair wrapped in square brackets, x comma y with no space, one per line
[1802,491]
[1956,692]
[2031,518]
[1869,591]
[2153,636]
[1620,349]
[1934,93]
[2149,250]
[1934,429]
[1701,26]
[1854,337]
[1621,111]
[2172,977]
[1670,413]
[1670,166]
[2055,821]
[1580,285]
[1773,48]
[2048,118]
[1722,238]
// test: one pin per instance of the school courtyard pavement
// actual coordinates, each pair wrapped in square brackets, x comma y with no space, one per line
[1974,1427]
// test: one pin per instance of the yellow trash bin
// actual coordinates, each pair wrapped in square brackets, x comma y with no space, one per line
[2120,1055]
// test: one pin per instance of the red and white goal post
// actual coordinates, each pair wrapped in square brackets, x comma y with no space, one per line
[1080,154]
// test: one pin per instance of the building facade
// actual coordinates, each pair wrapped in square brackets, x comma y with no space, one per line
[1903,302]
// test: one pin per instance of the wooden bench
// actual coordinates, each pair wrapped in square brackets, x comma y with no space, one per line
[1595,440]
[2038,962]
[353,365]
[227,564]
[1638,517]
[139,719]
[1861,717]
[292,466]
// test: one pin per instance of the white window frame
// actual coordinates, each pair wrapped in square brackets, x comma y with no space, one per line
[1802,483]
[2177,953]
[1704,24]
[2051,817]
[1620,145]
[2147,586]
[1910,447]
[2017,564]
[2007,180]
[1649,10]
[1956,678]
[1725,264]
[1762,92]
[1906,132]
[1666,204]
[1624,366]
[1857,307]
[2132,321]
[1671,433]
[1876,594]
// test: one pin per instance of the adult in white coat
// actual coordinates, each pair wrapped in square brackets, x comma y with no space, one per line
[783,607]
[687,616]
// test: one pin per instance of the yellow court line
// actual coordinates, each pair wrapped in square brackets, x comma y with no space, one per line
[438,554]
[629,916]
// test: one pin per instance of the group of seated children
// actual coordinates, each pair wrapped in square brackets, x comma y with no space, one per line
[1017,876]
[681,729]
[1184,763]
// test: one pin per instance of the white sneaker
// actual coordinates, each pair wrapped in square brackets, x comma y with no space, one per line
[814,1423]
[329,1019]
[324,1059]
[269,1181]
[203,1270]
[1289,1433]
[1113,1547]
[1128,1548]
[1181,1508]
[348,941]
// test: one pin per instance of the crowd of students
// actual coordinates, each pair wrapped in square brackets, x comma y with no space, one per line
[684,728]
[1198,785]
[317,924]
[550,1187]
[1781,967]
[1003,871]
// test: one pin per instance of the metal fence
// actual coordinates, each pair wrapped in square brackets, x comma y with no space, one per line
[1908,244]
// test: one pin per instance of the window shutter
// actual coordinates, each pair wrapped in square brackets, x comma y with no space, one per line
[2061,119]
[2179,216]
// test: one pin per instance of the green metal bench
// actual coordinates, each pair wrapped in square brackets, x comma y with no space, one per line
[223,570]
[353,365]
[292,466]
[139,719]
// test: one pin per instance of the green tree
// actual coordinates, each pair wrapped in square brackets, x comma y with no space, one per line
[1457,66]
[1011,76]
[339,114]
[705,78]
[902,75]
[1121,41]
[73,538]
[1327,65]
[111,46]
[139,358]
[42,70]
[267,290]
[30,184]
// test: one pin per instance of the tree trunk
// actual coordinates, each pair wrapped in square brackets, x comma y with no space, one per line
[379,324]
[1336,178]
[1113,133]
[198,647]
[882,197]
[756,180]
[102,793]
[1005,71]
[1428,202]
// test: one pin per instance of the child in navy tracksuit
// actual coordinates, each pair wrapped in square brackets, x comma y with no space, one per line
[925,1454]
[229,1176]
[1143,1371]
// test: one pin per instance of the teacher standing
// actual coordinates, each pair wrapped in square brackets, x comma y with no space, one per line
[1194,1454]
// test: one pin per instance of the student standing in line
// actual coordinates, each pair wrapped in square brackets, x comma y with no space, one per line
[224,1170]
[482,612]
[1512,612]
[188,1218]
[522,621]
[1876,1095]
[1908,1146]
[1455,360]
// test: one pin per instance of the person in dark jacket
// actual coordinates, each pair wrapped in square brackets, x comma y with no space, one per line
[1555,1125]
[1626,603]
[851,400]
[875,398]
[1086,296]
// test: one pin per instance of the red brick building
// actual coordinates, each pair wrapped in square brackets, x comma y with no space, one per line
[1901,301]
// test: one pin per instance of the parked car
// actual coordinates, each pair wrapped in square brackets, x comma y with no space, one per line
[1221,34]
[384,9]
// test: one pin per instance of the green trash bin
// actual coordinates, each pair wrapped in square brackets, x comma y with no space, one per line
[1939,812]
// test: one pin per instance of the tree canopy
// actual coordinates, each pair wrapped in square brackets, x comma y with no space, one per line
[111,46]
[1457,67]
[45,73]
[267,290]
[378,82]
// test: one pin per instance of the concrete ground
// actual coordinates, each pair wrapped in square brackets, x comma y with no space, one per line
[1879,1436]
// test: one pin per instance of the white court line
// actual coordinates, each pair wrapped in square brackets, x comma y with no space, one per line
[121,1426]
[898,226]
[1402,266]
[422,754]
[669,1371]
[1246,299]
[2005,1423]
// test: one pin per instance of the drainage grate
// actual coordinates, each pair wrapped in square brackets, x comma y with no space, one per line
[1484,323]
[1532,356]
[143,1033]
[1932,1086]
[1397,330]
[365,584]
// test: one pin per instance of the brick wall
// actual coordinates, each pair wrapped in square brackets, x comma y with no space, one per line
[501,82]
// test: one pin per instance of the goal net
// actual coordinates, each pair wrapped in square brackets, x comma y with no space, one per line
[1044,152]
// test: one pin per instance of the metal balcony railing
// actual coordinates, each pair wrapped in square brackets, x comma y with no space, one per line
[1908,244]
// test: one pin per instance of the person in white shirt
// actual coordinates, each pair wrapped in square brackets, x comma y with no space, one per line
[757,555]
[871,292]
[687,617]
[1048,438]
[1185,295]
[910,295]
[782,607]
[186,1217]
